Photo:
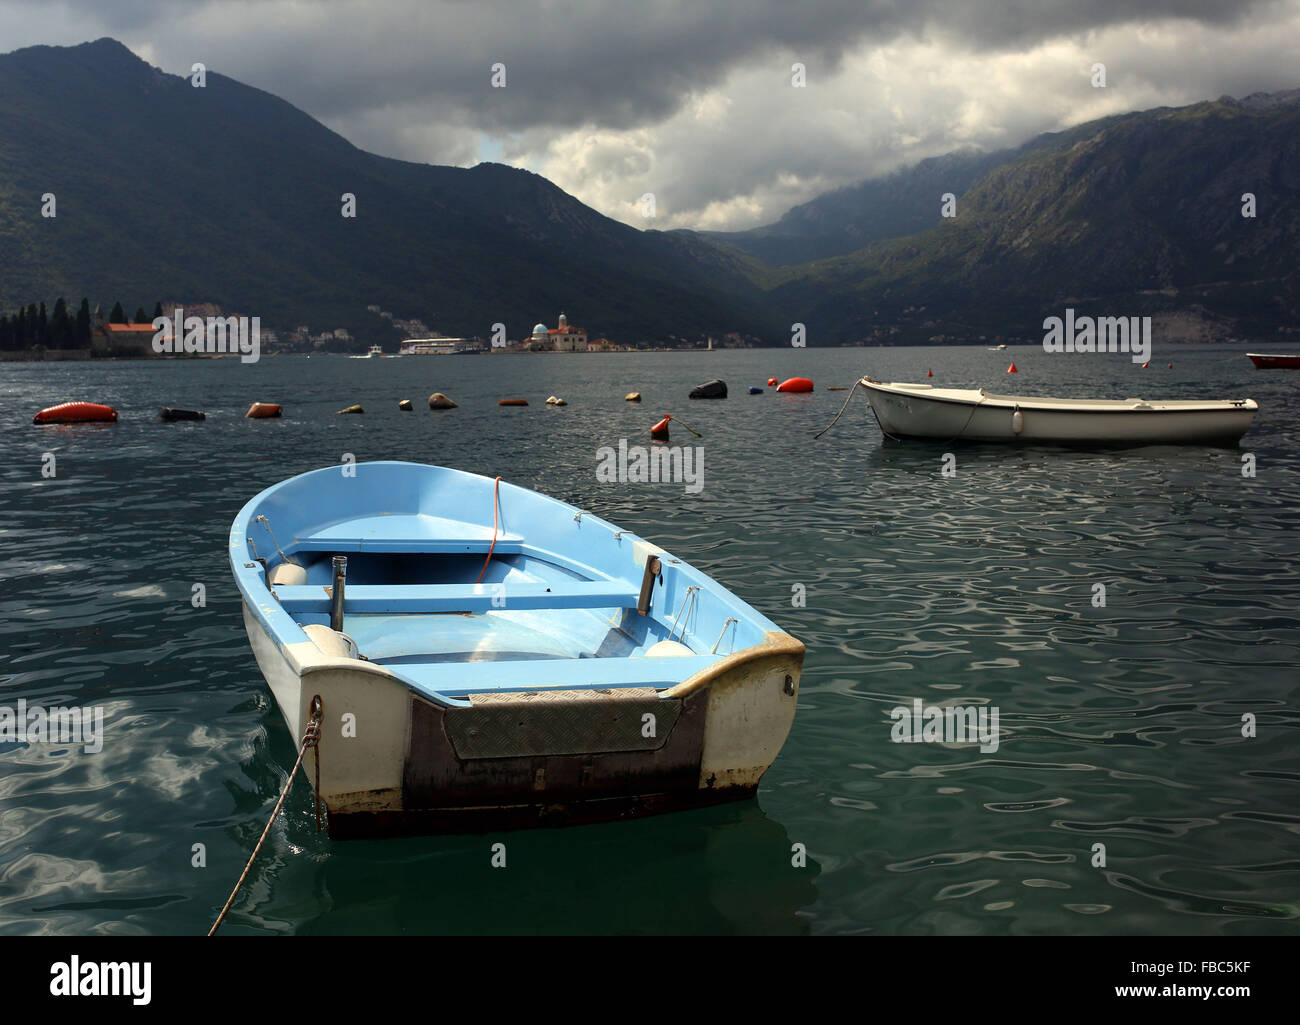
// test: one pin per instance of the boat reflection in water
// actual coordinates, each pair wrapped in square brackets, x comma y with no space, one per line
[724,870]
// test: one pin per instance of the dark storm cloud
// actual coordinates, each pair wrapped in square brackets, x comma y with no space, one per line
[693,100]
[614,64]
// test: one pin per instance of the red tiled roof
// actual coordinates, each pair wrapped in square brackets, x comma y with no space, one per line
[129,327]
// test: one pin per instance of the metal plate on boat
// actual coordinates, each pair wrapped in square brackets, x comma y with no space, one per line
[561,722]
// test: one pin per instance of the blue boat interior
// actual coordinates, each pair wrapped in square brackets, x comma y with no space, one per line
[424,598]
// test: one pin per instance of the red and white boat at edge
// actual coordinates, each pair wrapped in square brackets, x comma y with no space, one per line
[1266,361]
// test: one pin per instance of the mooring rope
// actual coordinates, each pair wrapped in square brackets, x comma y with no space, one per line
[686,425]
[882,426]
[309,739]
[496,508]
[841,412]
[690,596]
[263,519]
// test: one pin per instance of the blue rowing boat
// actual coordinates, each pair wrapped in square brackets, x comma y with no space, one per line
[482,656]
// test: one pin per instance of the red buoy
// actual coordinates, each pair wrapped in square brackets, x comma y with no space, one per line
[771,382]
[795,384]
[512,402]
[1012,369]
[76,413]
[1146,364]
[659,432]
[929,373]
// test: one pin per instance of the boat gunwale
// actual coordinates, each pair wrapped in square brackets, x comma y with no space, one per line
[1047,403]
[292,641]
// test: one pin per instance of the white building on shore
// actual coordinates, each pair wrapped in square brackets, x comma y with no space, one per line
[564,338]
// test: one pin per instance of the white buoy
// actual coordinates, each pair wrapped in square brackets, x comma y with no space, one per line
[1017,421]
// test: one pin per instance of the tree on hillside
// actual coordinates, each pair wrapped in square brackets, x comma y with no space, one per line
[83,325]
[62,329]
[118,316]
[42,327]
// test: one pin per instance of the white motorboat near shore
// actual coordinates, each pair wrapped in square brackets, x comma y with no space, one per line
[953,414]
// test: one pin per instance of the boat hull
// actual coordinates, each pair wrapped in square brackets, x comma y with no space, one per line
[907,411]
[394,763]
[1265,361]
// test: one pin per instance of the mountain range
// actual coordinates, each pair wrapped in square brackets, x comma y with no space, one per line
[228,194]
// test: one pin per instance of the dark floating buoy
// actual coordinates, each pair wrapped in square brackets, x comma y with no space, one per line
[714,389]
[262,410]
[405,405]
[796,384]
[755,391]
[440,401]
[351,409]
[170,414]
[659,432]
[76,413]
[513,402]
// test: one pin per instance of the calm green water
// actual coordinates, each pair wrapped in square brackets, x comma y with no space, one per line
[1120,725]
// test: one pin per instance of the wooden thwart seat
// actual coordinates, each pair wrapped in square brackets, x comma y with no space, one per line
[389,599]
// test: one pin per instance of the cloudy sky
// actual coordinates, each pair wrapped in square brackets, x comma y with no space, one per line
[693,100]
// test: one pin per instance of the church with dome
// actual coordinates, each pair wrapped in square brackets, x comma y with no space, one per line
[564,338]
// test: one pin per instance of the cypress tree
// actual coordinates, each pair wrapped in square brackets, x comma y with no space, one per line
[6,335]
[139,317]
[118,316]
[83,325]
[157,312]
[42,328]
[59,325]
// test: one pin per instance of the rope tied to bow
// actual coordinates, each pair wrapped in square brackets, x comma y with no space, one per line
[310,738]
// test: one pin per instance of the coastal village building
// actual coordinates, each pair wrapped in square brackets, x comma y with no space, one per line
[122,339]
[564,338]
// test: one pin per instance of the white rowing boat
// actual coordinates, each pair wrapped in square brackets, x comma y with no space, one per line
[483,656]
[952,414]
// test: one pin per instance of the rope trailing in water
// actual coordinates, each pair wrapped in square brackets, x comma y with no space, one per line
[309,739]
[687,426]
[496,508]
[841,412]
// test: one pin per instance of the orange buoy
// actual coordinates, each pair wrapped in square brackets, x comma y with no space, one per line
[76,413]
[795,384]
[513,402]
[262,410]
[659,432]
[1012,369]
[1171,366]
[1146,364]
[771,382]
[929,373]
